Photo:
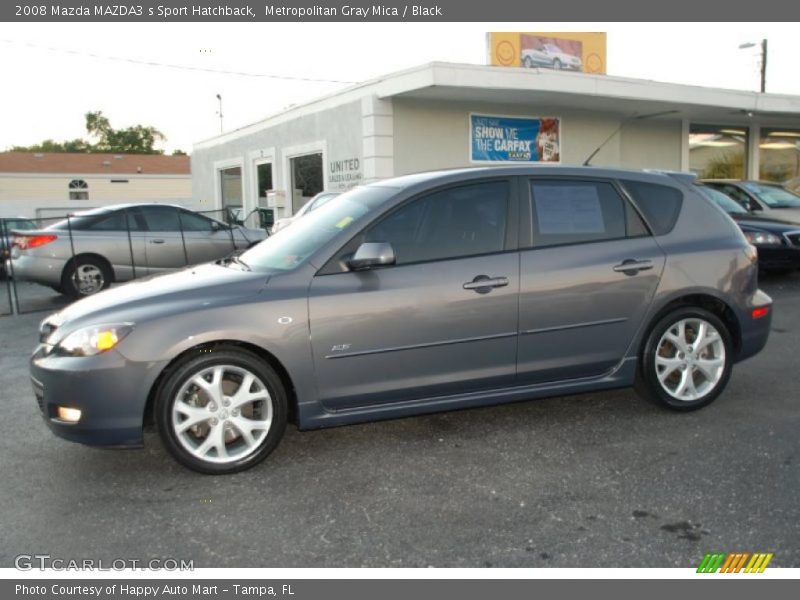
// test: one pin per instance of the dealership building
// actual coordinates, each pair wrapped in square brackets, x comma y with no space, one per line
[444,115]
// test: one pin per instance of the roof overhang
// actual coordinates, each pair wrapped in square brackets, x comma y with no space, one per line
[451,82]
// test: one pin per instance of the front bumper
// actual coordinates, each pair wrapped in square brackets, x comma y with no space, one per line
[779,257]
[110,391]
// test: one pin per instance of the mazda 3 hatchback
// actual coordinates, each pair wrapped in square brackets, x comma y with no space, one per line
[413,295]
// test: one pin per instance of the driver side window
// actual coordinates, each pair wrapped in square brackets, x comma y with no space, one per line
[463,221]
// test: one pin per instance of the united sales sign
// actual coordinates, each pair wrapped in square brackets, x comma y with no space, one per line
[514,139]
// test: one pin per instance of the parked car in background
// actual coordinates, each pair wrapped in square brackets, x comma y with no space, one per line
[552,57]
[319,200]
[793,185]
[412,295]
[769,199]
[778,242]
[84,254]
[7,225]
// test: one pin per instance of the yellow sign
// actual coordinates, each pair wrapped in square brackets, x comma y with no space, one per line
[584,52]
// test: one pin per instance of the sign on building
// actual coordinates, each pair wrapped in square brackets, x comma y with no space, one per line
[514,139]
[581,52]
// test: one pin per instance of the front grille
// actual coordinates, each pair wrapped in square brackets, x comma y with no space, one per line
[38,391]
[793,237]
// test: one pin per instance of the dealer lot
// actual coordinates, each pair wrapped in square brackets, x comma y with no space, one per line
[595,480]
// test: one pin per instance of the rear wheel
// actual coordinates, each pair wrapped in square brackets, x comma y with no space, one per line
[687,359]
[85,276]
[527,62]
[222,411]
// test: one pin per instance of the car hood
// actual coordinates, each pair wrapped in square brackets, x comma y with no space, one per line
[161,296]
[765,223]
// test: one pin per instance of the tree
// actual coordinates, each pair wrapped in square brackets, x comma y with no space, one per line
[137,139]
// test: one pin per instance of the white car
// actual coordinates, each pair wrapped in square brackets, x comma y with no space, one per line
[312,204]
[550,56]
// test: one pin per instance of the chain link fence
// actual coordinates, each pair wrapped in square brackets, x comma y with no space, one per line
[53,261]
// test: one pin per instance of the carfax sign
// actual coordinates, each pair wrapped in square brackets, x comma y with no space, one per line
[514,139]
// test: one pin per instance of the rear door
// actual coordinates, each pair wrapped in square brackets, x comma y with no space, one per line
[589,269]
[442,320]
[116,236]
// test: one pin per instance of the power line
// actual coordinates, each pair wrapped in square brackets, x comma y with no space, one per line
[149,63]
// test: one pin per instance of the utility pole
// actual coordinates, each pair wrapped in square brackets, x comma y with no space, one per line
[219,112]
[763,61]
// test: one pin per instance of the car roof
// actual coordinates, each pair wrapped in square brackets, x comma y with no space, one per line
[478,172]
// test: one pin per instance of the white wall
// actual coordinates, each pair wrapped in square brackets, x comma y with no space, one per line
[32,194]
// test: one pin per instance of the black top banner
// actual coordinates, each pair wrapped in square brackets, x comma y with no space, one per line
[394,10]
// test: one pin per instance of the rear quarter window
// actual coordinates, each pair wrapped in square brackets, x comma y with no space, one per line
[660,204]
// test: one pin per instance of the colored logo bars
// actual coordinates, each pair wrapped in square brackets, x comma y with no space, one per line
[735,562]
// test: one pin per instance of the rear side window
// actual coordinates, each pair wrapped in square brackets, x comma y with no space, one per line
[660,204]
[575,212]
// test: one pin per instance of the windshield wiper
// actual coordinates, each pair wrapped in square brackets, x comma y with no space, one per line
[238,261]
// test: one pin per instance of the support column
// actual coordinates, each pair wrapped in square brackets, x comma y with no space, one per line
[377,127]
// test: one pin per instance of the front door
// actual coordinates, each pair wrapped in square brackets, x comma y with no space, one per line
[426,326]
[164,243]
[588,277]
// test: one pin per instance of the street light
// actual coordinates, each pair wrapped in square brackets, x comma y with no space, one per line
[219,112]
[763,60]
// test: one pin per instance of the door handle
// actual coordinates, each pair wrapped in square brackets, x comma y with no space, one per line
[632,267]
[483,284]
[156,241]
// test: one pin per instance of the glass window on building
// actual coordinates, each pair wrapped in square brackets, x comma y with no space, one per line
[264,173]
[779,156]
[230,180]
[718,151]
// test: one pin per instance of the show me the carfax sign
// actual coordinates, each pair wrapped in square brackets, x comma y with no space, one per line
[494,138]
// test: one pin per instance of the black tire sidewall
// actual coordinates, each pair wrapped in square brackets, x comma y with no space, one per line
[68,284]
[165,398]
[649,383]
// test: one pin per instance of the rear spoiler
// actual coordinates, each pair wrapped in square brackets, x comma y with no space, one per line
[686,177]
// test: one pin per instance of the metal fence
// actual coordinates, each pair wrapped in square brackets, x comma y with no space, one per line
[47,267]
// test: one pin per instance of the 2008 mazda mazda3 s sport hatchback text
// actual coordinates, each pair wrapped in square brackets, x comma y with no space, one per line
[412,295]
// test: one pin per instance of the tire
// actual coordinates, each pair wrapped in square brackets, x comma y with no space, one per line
[207,435]
[557,65]
[85,276]
[674,374]
[527,62]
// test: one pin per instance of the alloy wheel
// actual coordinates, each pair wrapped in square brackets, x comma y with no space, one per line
[222,414]
[690,359]
[88,279]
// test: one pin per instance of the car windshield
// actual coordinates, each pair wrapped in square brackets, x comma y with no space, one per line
[726,203]
[551,48]
[774,196]
[290,247]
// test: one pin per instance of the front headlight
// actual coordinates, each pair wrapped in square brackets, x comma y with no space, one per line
[92,340]
[762,238]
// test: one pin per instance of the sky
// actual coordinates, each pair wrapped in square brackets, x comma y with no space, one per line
[54,73]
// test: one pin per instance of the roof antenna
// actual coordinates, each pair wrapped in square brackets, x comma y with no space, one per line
[633,117]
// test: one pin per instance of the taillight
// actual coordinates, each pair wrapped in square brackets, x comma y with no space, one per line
[26,242]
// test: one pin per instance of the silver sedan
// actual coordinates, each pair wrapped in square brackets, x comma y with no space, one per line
[85,254]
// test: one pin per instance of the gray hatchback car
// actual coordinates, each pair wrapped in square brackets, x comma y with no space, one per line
[412,295]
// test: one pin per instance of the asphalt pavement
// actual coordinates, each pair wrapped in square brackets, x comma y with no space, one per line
[597,480]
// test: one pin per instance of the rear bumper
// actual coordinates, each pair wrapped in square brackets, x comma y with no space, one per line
[39,269]
[755,332]
[110,391]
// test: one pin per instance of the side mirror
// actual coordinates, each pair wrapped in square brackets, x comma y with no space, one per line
[372,254]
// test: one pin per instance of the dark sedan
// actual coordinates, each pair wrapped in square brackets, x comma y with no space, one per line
[778,241]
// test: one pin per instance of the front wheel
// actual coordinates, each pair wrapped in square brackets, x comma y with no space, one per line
[222,411]
[686,361]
